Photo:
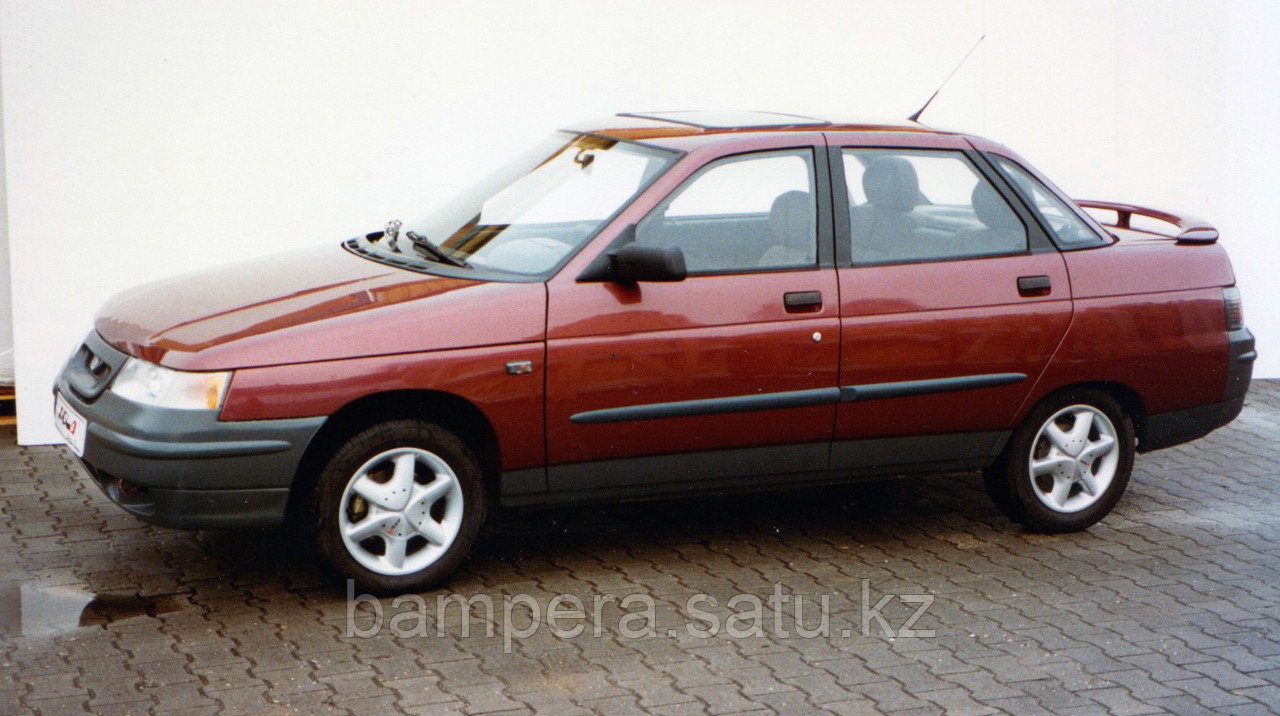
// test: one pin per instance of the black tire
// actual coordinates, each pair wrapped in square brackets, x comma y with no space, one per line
[1019,496]
[394,438]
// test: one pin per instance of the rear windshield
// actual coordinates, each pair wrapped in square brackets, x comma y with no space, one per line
[1069,229]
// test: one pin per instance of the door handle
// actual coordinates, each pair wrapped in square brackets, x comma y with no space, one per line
[1034,285]
[802,301]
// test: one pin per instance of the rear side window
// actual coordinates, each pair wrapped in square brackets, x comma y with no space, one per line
[743,213]
[925,205]
[1066,227]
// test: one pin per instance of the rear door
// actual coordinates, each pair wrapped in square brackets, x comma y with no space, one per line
[731,372]
[952,302]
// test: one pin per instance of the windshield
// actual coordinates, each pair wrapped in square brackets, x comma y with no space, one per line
[532,214]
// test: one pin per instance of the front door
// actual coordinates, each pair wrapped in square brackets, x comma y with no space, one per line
[728,373]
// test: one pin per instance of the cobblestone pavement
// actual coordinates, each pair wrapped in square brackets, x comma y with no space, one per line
[1171,604]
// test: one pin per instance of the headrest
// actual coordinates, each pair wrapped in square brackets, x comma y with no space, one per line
[992,209]
[791,217]
[890,183]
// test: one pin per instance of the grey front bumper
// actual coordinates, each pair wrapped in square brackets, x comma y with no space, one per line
[185,468]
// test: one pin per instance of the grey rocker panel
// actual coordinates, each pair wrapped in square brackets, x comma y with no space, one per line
[780,465]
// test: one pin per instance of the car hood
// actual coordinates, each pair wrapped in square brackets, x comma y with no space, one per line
[314,305]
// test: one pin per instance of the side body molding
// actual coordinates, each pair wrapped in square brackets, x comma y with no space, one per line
[796,398]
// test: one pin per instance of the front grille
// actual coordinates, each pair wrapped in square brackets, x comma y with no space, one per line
[92,367]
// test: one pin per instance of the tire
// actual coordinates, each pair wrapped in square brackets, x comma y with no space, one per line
[1081,443]
[398,506]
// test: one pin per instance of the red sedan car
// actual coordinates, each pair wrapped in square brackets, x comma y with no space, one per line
[659,304]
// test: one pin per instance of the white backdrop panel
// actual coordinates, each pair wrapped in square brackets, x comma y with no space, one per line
[151,138]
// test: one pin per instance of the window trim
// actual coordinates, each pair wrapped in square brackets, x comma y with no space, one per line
[822,196]
[1037,240]
[1106,237]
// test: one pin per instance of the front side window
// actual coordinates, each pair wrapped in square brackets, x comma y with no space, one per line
[528,217]
[1068,228]
[923,205]
[743,213]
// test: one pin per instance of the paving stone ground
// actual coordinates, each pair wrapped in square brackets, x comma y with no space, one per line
[1172,604]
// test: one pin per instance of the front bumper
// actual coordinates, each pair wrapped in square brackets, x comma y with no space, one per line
[183,468]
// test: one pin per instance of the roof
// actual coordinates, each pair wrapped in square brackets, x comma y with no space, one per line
[730,119]
[713,124]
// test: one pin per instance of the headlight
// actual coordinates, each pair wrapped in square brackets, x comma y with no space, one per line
[150,384]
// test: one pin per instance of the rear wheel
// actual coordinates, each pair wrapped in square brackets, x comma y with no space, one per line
[398,506]
[1068,463]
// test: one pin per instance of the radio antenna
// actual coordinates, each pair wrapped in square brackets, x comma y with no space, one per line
[916,117]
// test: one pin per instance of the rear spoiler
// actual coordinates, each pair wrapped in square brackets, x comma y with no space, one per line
[1190,229]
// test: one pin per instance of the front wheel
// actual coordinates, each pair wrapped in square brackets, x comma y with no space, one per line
[398,506]
[1068,463]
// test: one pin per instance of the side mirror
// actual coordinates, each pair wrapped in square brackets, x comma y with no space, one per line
[640,262]
[631,262]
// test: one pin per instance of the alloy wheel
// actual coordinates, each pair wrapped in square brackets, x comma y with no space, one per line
[1074,458]
[400,511]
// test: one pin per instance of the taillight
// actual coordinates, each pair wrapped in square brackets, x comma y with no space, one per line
[1235,308]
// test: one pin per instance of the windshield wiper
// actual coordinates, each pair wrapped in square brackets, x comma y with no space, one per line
[430,250]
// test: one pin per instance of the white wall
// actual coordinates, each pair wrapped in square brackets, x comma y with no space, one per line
[6,299]
[149,138]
